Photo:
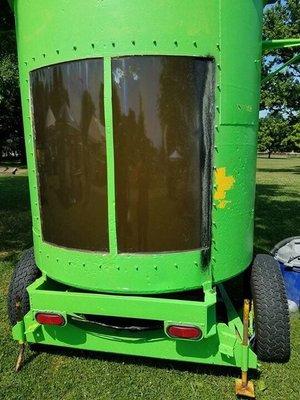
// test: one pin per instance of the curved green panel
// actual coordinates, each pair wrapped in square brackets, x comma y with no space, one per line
[55,31]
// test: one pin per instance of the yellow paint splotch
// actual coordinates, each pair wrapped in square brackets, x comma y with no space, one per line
[223,184]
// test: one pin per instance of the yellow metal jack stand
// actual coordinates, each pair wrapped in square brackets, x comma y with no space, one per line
[21,355]
[243,387]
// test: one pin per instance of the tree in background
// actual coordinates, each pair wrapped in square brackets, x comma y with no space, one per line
[11,128]
[280,96]
[273,132]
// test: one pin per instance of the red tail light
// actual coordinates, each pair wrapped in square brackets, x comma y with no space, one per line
[49,319]
[184,332]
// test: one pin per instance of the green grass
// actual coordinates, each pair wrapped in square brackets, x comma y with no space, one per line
[277,201]
[67,374]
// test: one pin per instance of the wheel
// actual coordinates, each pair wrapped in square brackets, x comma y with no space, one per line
[25,273]
[271,315]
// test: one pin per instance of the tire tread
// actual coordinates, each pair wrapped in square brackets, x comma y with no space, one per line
[25,273]
[272,328]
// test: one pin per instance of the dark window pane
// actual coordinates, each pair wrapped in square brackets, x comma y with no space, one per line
[70,150]
[162,110]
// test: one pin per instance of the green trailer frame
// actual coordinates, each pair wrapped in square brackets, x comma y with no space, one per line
[221,343]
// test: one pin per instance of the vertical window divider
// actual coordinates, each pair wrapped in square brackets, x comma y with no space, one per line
[111,192]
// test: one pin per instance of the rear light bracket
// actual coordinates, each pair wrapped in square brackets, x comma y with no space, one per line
[168,324]
[52,312]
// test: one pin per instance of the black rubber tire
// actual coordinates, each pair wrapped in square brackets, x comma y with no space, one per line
[25,273]
[271,314]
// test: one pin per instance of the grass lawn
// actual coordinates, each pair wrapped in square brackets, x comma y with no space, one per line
[67,374]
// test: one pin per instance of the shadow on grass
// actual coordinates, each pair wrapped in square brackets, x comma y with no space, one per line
[11,164]
[277,215]
[15,217]
[293,170]
[207,369]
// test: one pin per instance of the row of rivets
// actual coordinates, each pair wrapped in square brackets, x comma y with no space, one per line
[133,42]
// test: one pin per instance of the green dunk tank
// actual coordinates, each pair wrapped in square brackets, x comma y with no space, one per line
[140,121]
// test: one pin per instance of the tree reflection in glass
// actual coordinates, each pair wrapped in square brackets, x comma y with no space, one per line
[71,155]
[158,114]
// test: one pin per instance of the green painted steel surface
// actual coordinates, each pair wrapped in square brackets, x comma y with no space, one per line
[220,344]
[150,344]
[163,309]
[54,31]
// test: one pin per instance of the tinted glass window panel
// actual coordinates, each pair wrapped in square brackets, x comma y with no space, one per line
[69,130]
[160,107]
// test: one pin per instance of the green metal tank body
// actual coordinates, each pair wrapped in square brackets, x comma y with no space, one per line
[228,33]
